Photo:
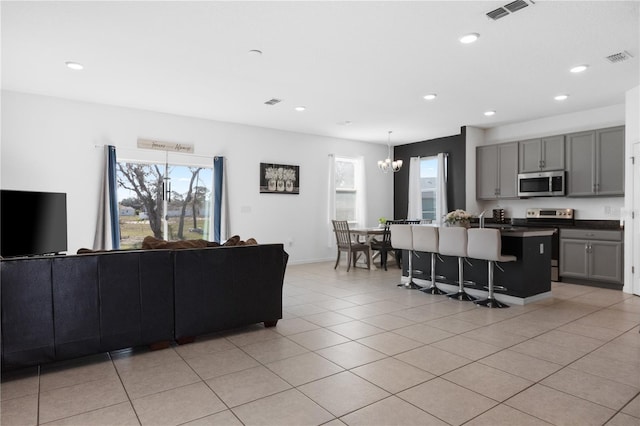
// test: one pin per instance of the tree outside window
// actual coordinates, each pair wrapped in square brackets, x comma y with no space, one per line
[141,204]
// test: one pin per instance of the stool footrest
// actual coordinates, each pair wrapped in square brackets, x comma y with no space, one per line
[490,303]
[462,296]
[432,290]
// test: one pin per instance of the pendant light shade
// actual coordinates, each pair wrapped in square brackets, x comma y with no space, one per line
[387,164]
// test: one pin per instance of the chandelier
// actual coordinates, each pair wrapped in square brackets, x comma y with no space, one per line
[387,164]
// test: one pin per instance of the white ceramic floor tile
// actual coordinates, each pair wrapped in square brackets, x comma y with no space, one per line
[304,368]
[219,363]
[71,400]
[392,375]
[558,407]
[290,407]
[343,393]
[391,411]
[447,401]
[390,343]
[120,414]
[274,350]
[351,354]
[21,411]
[223,418]
[178,405]
[247,385]
[139,383]
[317,339]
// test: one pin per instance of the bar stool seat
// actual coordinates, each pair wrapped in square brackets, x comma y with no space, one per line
[425,239]
[453,242]
[402,238]
[486,244]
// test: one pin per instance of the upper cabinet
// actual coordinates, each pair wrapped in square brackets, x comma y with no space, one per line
[497,171]
[595,162]
[545,154]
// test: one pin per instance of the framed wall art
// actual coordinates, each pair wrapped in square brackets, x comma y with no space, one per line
[279,179]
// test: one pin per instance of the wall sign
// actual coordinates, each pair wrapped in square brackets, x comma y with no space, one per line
[186,148]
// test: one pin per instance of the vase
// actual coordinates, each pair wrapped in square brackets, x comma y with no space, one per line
[280,185]
[460,224]
[272,184]
[288,186]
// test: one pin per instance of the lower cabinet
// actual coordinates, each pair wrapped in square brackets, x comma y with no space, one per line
[594,255]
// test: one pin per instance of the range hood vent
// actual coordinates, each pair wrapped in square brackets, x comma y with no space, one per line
[507,9]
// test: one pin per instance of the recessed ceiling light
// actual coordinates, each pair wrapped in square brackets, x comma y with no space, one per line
[430,96]
[561,97]
[345,123]
[469,38]
[300,108]
[579,68]
[74,65]
[255,52]
[489,113]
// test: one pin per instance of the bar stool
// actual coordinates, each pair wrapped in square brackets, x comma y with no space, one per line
[402,238]
[425,239]
[486,244]
[453,242]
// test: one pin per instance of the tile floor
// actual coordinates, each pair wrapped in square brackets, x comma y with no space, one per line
[355,349]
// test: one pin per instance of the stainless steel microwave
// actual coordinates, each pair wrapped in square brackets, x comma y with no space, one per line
[541,184]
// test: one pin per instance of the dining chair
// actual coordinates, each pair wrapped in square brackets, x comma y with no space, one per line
[346,244]
[385,247]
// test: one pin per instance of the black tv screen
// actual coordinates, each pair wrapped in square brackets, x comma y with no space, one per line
[32,223]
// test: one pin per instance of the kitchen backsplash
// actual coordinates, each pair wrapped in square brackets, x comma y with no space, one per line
[610,208]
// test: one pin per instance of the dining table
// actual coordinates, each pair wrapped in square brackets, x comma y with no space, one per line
[367,236]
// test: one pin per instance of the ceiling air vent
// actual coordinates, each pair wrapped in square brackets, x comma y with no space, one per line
[497,13]
[273,101]
[516,5]
[619,57]
[509,8]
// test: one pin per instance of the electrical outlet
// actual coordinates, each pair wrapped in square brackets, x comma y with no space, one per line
[607,210]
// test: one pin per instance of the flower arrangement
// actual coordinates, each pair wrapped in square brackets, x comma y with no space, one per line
[271,173]
[289,174]
[457,217]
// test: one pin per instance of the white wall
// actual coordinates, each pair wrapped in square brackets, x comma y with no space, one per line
[48,144]
[605,208]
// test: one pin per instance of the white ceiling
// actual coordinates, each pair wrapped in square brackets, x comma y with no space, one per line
[365,62]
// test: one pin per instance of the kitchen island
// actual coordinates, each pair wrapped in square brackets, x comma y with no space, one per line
[526,280]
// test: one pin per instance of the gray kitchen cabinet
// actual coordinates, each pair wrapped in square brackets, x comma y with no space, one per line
[594,255]
[595,162]
[497,171]
[544,154]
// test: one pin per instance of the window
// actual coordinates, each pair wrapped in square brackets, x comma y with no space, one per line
[429,186]
[346,191]
[141,186]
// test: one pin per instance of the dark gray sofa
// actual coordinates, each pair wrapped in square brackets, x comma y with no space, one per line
[61,307]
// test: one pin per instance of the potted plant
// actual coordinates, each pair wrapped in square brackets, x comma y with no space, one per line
[381,222]
[458,217]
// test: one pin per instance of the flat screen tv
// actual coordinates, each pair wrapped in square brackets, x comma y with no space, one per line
[32,223]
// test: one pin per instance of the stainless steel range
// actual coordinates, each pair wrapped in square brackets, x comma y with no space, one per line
[553,219]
